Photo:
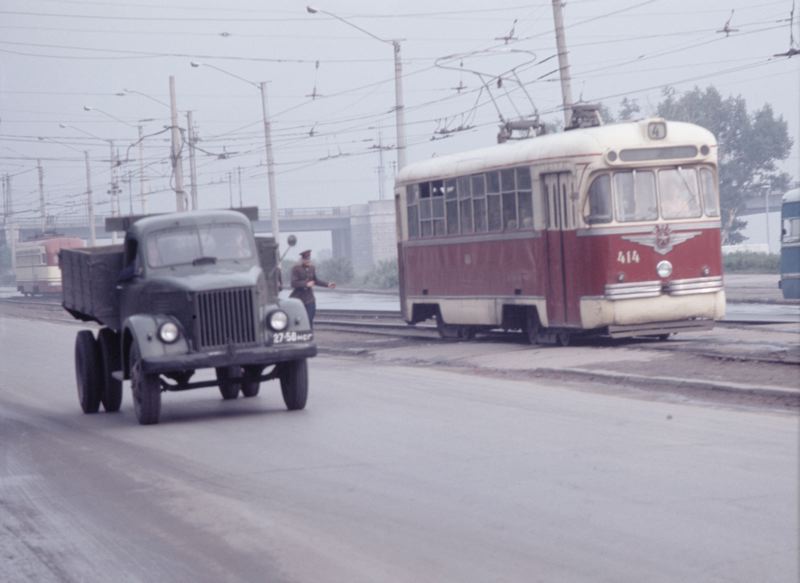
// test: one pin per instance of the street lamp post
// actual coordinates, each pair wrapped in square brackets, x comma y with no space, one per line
[273,196]
[400,122]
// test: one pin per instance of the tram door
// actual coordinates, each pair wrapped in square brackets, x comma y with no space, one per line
[561,218]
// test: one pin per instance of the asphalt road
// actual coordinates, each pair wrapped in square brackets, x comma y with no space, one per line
[391,474]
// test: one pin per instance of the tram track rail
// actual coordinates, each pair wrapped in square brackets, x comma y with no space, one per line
[389,323]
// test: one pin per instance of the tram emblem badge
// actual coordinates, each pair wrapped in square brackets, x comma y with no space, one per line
[663,239]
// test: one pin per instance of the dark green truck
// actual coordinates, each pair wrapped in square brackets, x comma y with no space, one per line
[185,291]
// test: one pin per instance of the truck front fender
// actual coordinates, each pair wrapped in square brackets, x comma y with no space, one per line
[298,317]
[143,330]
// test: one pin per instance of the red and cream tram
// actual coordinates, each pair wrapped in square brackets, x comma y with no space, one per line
[36,261]
[611,230]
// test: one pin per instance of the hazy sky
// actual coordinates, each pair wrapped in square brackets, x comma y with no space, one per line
[331,88]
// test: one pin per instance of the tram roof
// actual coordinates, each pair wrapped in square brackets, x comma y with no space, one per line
[574,143]
[792,195]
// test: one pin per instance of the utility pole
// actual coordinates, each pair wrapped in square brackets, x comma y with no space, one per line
[230,189]
[89,202]
[129,180]
[239,171]
[273,196]
[399,107]
[5,200]
[113,188]
[563,63]
[192,167]
[177,160]
[381,185]
[142,200]
[42,205]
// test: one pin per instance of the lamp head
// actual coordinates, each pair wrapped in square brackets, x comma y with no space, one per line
[87,108]
[311,10]
[194,64]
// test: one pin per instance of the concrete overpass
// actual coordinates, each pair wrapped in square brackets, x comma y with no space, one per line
[364,233]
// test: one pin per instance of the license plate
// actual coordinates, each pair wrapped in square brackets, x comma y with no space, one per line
[291,336]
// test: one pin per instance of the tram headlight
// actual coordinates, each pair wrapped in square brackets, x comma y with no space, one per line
[664,268]
[705,271]
[168,332]
[278,320]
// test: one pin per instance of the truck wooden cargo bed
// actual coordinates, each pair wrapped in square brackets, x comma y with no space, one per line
[89,279]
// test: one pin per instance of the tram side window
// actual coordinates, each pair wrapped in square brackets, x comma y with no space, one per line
[465,203]
[680,197]
[451,204]
[479,202]
[635,196]
[493,210]
[600,200]
[524,199]
[425,210]
[710,198]
[412,197]
[509,197]
[437,196]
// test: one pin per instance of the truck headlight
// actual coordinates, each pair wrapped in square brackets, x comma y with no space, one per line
[168,332]
[278,320]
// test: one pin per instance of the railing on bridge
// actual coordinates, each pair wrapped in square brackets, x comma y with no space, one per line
[54,223]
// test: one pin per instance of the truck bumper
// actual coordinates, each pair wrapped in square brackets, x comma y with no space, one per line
[255,355]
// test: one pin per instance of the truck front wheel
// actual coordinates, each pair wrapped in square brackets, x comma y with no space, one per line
[294,384]
[146,390]
[86,371]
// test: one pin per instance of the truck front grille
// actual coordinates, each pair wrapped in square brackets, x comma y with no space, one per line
[225,317]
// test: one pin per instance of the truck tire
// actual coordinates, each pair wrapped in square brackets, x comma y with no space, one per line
[86,371]
[228,389]
[110,361]
[294,384]
[251,387]
[146,389]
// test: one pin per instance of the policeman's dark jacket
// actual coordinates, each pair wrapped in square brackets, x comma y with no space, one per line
[301,275]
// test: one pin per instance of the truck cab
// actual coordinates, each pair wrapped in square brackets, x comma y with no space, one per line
[186,291]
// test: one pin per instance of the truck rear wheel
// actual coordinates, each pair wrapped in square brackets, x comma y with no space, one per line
[110,361]
[294,384]
[251,387]
[86,371]
[227,388]
[146,390]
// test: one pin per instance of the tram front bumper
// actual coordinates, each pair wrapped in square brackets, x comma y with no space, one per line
[599,312]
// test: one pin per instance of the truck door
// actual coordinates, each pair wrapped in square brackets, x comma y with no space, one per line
[562,308]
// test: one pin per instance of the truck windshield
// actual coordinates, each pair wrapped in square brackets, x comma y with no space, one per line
[220,242]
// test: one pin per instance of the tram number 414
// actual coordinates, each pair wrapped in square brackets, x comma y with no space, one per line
[628,257]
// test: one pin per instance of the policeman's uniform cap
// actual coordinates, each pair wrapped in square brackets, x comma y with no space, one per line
[305,254]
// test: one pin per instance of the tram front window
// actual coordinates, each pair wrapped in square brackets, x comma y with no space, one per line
[680,196]
[635,196]
[600,200]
